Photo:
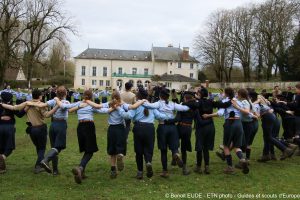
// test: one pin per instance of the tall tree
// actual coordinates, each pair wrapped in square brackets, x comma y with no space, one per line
[12,28]
[47,23]
[241,37]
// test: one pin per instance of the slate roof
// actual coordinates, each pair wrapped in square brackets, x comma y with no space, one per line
[115,54]
[176,78]
[158,53]
[170,54]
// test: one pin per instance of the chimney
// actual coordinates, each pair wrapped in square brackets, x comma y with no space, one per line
[185,54]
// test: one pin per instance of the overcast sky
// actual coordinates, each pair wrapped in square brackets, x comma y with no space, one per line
[137,24]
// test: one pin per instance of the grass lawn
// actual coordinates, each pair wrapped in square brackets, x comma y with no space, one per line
[20,183]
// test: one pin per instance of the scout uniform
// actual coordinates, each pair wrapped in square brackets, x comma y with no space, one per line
[7,130]
[86,135]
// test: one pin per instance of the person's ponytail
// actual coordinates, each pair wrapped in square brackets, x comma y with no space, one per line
[146,112]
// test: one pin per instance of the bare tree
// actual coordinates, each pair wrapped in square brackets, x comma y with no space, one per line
[241,27]
[47,22]
[276,25]
[214,48]
[11,30]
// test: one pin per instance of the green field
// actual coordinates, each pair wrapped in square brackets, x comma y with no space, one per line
[20,183]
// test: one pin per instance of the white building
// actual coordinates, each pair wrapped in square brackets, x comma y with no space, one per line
[100,68]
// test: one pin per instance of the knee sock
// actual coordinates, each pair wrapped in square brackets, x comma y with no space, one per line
[55,163]
[85,159]
[239,154]
[164,159]
[206,156]
[199,158]
[228,160]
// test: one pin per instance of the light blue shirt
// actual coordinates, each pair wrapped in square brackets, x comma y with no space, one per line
[28,97]
[19,95]
[76,95]
[167,109]
[86,113]
[246,117]
[256,108]
[104,93]
[264,108]
[96,95]
[61,113]
[138,115]
[115,117]
[226,111]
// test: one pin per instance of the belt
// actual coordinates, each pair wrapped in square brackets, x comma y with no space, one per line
[85,121]
[57,119]
[163,123]
[137,122]
[233,118]
[38,126]
[184,124]
[6,118]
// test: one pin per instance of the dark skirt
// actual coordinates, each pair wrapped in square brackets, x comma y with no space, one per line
[116,140]
[185,133]
[233,133]
[86,134]
[205,137]
[7,137]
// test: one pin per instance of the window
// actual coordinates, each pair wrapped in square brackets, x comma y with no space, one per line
[94,82]
[168,84]
[179,64]
[191,66]
[101,83]
[107,83]
[94,71]
[171,63]
[120,71]
[83,71]
[146,71]
[134,70]
[170,72]
[104,71]
[119,83]
[191,75]
[82,81]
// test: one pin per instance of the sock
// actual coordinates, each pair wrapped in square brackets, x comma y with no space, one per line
[248,153]
[113,168]
[206,156]
[164,159]
[239,154]
[228,160]
[184,157]
[85,159]
[199,158]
